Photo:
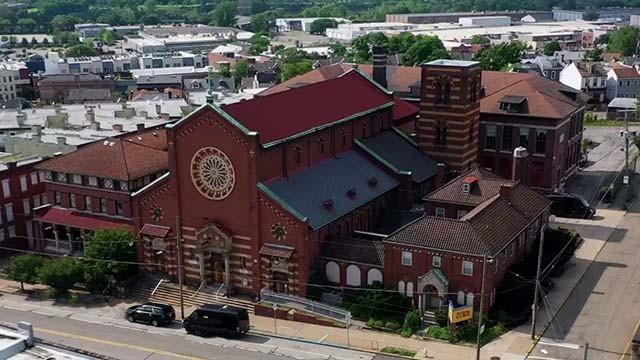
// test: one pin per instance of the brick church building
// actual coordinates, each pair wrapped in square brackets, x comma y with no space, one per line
[312,178]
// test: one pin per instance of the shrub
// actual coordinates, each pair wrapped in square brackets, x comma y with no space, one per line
[61,274]
[392,325]
[24,268]
[439,332]
[398,351]
[411,322]
[371,303]
[442,317]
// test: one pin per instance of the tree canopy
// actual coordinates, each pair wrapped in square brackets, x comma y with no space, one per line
[426,48]
[319,26]
[24,268]
[80,50]
[293,69]
[550,48]
[501,56]
[224,14]
[623,40]
[259,44]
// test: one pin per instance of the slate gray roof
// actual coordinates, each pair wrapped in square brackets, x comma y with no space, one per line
[394,149]
[306,191]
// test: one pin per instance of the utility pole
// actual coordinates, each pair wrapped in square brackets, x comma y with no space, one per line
[626,157]
[537,284]
[484,270]
[179,259]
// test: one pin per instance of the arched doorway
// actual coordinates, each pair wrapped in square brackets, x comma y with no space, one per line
[431,297]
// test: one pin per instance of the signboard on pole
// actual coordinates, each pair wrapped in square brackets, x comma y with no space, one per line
[459,314]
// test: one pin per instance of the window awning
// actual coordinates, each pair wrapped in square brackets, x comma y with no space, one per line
[155,230]
[276,250]
[76,219]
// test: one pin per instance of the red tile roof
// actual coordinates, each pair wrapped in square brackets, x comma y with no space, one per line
[626,72]
[487,186]
[81,220]
[292,112]
[495,221]
[324,73]
[545,98]
[123,158]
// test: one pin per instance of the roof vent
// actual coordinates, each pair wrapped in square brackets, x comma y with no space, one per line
[351,193]
[328,205]
[373,182]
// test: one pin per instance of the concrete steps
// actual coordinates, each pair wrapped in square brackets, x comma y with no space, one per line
[169,293]
[429,318]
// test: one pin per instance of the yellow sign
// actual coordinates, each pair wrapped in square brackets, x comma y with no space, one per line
[462,313]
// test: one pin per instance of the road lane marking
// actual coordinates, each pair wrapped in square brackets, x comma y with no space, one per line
[543,358]
[323,338]
[562,345]
[115,343]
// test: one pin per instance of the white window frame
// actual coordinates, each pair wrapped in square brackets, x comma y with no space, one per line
[92,181]
[6,188]
[436,261]
[26,204]
[465,264]
[407,255]
[8,211]
[466,188]
[12,231]
[77,179]
[23,183]
[441,212]
[34,178]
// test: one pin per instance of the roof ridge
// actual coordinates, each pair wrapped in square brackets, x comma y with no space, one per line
[479,208]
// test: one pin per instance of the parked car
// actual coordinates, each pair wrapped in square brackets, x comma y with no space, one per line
[217,319]
[571,206]
[155,314]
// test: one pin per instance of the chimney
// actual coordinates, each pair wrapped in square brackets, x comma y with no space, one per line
[90,116]
[21,118]
[520,162]
[380,65]
[61,140]
[117,127]
[158,109]
[140,126]
[440,174]
[36,129]
[505,190]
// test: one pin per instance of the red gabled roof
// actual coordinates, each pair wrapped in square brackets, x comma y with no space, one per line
[284,114]
[128,157]
[626,72]
[81,220]
[403,109]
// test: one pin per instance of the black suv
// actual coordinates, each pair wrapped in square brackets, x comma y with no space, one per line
[214,318]
[151,313]
[571,206]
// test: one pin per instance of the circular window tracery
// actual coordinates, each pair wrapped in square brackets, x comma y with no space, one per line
[212,173]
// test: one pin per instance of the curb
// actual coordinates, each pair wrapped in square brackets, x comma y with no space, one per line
[546,327]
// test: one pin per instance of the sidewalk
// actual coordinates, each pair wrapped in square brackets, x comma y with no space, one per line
[516,343]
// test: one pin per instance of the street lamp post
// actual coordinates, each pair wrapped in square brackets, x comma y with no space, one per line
[537,284]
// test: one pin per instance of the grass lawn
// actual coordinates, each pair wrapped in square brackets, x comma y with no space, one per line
[398,351]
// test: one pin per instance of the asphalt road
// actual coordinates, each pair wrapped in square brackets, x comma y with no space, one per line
[603,309]
[161,344]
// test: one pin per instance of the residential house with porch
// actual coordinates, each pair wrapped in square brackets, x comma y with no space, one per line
[90,189]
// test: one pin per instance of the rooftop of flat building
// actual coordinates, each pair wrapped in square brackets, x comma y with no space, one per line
[455,63]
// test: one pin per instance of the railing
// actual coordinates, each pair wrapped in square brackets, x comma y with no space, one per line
[197,291]
[218,291]
[311,306]
[156,288]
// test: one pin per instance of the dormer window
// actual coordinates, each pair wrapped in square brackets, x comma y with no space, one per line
[467,183]
[513,104]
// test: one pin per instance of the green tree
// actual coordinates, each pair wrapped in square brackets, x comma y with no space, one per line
[400,43]
[291,55]
[480,40]
[259,44]
[27,24]
[107,37]
[24,268]
[411,324]
[428,48]
[5,25]
[593,55]
[290,70]
[240,69]
[4,38]
[550,48]
[363,45]
[80,50]
[64,22]
[61,274]
[260,23]
[624,40]
[603,39]
[501,56]
[116,250]
[338,50]
[24,42]
[224,14]
[319,26]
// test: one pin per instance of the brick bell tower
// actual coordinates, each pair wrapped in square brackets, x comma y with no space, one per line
[449,124]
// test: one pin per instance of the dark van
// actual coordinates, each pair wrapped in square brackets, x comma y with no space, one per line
[217,319]
[571,206]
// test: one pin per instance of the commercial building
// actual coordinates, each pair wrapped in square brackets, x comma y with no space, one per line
[433,18]
[485,21]
[90,30]
[618,14]
[348,32]
[178,38]
[302,24]
[15,79]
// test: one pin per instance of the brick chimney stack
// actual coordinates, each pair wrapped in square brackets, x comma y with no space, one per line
[520,163]
[380,65]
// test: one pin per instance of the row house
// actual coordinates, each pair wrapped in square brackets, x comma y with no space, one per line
[91,188]
[589,77]
[22,192]
[622,82]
